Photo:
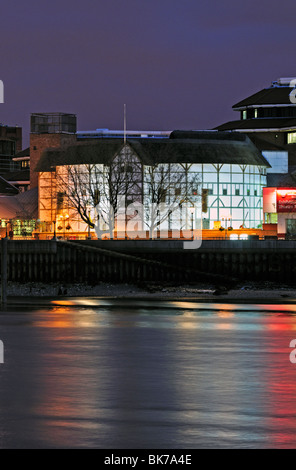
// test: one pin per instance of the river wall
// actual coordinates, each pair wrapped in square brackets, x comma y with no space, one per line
[219,261]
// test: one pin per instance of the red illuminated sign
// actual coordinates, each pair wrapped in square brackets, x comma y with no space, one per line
[286,200]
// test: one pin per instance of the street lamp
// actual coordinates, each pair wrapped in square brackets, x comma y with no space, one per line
[192,211]
[54,230]
[226,219]
[66,217]
[88,228]
[89,236]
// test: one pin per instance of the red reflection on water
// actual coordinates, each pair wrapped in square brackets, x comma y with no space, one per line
[280,380]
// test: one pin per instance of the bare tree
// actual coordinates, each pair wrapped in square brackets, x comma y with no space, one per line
[168,186]
[97,191]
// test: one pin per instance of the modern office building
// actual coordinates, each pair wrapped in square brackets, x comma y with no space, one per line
[268,117]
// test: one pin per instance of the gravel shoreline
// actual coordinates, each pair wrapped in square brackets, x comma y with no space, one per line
[244,291]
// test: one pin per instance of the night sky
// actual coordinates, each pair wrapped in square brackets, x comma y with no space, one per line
[176,64]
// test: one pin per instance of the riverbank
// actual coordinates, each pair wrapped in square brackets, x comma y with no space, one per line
[244,292]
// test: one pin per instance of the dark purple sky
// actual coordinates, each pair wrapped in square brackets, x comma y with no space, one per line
[177,64]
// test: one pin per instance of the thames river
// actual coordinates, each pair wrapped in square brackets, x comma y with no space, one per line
[114,374]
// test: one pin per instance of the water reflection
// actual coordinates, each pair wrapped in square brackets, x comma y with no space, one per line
[108,376]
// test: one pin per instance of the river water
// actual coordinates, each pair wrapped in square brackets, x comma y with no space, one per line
[109,374]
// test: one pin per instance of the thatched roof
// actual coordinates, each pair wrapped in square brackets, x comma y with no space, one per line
[181,147]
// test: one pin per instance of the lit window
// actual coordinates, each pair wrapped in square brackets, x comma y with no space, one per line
[255,113]
[273,218]
[291,137]
[245,114]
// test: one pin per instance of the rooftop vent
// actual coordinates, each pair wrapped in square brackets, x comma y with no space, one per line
[286,81]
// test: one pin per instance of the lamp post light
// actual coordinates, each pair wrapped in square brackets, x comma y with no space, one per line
[88,225]
[227,219]
[224,219]
[192,211]
[66,217]
[11,230]
[89,236]
[54,230]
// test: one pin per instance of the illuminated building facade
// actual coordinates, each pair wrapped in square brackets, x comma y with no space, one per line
[279,206]
[229,169]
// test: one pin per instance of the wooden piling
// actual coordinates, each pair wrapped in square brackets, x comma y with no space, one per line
[4,271]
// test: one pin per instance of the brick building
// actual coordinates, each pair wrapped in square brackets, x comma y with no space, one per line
[49,130]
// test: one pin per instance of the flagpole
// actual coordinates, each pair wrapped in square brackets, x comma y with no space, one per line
[124,125]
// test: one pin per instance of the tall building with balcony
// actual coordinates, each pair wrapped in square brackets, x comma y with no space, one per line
[268,117]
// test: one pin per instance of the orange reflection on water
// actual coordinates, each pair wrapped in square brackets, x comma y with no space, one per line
[225,326]
[62,302]
[67,317]
[184,305]
[225,314]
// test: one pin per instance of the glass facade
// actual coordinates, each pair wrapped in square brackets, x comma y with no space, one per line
[53,123]
[234,193]
[230,194]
